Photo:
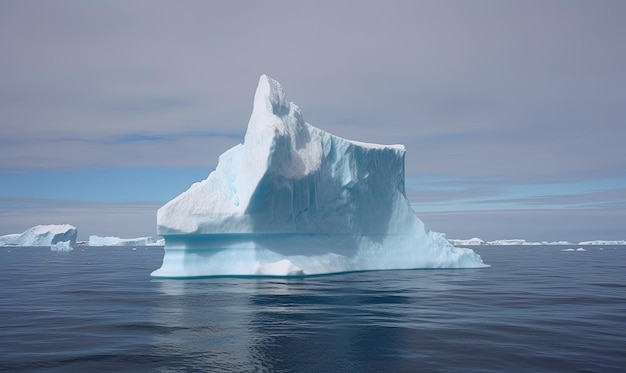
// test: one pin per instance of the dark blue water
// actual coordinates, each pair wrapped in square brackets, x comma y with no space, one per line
[97,309]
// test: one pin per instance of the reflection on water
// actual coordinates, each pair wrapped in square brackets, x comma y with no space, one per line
[205,323]
[297,324]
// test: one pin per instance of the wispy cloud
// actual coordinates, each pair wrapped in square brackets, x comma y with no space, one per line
[184,150]
[537,224]
[171,137]
[440,194]
[143,105]
[117,219]
[113,185]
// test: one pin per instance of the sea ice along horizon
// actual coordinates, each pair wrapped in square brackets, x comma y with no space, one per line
[294,200]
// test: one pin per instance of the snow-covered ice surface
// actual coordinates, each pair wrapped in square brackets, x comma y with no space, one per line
[295,200]
[41,235]
[116,241]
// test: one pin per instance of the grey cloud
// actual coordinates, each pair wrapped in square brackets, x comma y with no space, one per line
[606,199]
[484,95]
[510,89]
[71,153]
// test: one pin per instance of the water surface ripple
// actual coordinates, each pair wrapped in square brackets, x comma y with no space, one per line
[536,309]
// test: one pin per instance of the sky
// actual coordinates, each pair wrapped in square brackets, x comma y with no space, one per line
[512,112]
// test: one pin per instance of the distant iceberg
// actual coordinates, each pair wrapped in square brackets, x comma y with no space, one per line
[116,241]
[469,242]
[603,243]
[556,243]
[510,242]
[295,200]
[41,235]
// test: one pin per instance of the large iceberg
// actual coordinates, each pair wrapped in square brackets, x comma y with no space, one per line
[41,235]
[295,200]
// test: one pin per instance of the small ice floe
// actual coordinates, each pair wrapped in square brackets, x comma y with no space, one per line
[134,249]
[62,246]
[572,249]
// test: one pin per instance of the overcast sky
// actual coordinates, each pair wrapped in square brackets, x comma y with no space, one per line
[512,112]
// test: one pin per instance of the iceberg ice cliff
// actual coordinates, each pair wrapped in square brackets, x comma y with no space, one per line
[295,200]
[62,246]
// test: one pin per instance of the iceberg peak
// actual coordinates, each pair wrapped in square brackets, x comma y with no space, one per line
[294,199]
[270,97]
[273,112]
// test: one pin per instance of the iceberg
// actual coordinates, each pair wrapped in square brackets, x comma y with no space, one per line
[62,246]
[510,242]
[469,242]
[556,243]
[41,235]
[294,200]
[116,241]
[603,243]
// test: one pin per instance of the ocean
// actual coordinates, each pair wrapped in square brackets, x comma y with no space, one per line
[536,309]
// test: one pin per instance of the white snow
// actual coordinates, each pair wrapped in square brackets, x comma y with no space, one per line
[116,241]
[41,235]
[62,246]
[295,200]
